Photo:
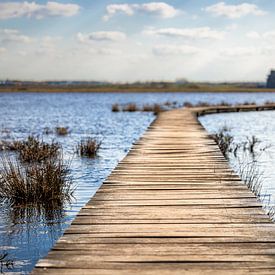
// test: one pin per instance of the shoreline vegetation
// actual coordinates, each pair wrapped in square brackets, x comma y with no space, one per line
[154,87]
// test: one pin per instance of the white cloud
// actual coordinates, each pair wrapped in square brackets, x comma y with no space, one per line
[246,51]
[32,9]
[264,35]
[160,9]
[175,50]
[12,35]
[234,11]
[253,35]
[101,36]
[192,33]
[102,51]
[232,27]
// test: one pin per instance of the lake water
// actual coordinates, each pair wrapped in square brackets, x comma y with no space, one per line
[242,126]
[29,238]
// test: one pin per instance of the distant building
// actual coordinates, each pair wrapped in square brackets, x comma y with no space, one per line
[271,80]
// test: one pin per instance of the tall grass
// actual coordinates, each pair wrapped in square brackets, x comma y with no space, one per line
[88,147]
[35,150]
[131,107]
[246,158]
[115,108]
[248,169]
[62,131]
[32,149]
[155,108]
[224,140]
[48,182]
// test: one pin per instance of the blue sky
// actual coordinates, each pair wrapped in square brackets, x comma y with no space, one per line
[137,40]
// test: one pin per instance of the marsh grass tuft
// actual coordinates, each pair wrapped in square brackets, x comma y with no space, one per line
[88,147]
[224,140]
[44,183]
[188,104]
[249,103]
[248,170]
[62,131]
[34,149]
[131,107]
[155,108]
[8,145]
[115,108]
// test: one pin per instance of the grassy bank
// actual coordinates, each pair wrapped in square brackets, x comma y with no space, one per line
[135,88]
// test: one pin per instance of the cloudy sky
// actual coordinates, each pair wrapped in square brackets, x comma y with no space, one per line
[137,40]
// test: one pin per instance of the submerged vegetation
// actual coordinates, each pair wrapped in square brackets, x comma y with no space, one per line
[62,131]
[35,150]
[88,147]
[32,149]
[35,175]
[115,108]
[245,156]
[224,140]
[46,183]
[226,143]
[132,107]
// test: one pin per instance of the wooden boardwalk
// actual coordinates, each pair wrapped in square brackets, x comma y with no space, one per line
[172,206]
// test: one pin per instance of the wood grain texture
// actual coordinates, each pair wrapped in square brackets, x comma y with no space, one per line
[172,206]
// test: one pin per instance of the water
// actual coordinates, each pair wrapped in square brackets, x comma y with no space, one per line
[27,239]
[243,126]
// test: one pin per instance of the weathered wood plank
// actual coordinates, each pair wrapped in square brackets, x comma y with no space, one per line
[172,206]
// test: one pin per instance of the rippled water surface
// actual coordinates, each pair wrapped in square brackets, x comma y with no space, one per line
[243,126]
[27,239]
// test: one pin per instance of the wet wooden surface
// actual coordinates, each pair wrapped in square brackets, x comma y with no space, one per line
[172,206]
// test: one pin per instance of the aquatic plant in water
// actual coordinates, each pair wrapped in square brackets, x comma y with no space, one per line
[32,149]
[224,140]
[115,108]
[88,147]
[246,159]
[45,183]
[62,131]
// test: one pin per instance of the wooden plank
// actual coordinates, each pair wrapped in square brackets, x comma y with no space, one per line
[171,206]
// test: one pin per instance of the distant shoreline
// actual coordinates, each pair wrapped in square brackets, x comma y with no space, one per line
[137,89]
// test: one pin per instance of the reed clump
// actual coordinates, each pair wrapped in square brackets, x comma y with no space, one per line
[35,150]
[224,103]
[115,108]
[88,147]
[35,175]
[224,140]
[44,183]
[188,104]
[62,131]
[247,103]
[131,107]
[6,145]
[155,108]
